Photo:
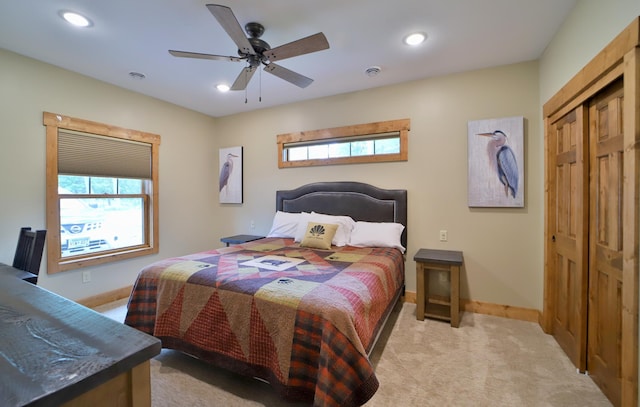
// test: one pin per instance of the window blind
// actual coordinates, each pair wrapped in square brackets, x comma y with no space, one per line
[86,154]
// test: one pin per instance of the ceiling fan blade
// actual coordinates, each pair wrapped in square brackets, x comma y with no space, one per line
[312,43]
[243,79]
[230,23]
[185,54]
[288,75]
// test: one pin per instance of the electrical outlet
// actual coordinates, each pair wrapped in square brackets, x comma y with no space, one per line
[86,276]
[443,236]
[252,225]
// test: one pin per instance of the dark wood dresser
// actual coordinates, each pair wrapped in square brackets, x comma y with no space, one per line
[55,352]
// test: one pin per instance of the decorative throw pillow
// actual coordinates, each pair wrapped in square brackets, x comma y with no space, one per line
[345,225]
[319,235]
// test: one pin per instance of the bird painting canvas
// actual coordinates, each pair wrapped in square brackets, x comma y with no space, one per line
[230,179]
[496,162]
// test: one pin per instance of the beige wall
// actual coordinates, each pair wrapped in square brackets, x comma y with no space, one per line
[502,247]
[590,26]
[503,263]
[187,160]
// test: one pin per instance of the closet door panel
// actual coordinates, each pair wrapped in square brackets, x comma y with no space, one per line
[606,243]
[569,248]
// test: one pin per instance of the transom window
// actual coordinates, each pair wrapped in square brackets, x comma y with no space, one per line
[372,142]
[337,148]
[101,193]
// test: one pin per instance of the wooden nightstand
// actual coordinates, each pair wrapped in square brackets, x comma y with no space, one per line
[239,239]
[432,306]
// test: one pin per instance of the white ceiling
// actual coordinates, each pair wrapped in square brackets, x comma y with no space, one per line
[135,35]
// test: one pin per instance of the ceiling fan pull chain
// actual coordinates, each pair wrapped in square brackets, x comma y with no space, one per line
[260,91]
[245,81]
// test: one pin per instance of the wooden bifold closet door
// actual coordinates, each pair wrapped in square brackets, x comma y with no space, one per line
[568,155]
[592,174]
[606,226]
[586,151]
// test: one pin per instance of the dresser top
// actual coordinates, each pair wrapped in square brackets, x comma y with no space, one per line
[53,349]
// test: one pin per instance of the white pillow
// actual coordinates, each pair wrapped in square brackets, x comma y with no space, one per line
[374,234]
[285,224]
[345,226]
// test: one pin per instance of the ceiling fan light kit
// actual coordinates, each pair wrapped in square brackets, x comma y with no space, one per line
[256,52]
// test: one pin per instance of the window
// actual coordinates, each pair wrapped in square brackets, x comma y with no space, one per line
[372,142]
[100,214]
[102,184]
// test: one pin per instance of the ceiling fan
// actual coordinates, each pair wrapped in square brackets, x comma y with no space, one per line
[255,51]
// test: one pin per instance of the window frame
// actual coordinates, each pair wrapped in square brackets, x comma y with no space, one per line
[344,134]
[55,263]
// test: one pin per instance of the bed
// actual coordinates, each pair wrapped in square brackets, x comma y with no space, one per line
[302,318]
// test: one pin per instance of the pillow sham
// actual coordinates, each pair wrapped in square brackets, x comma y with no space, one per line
[345,226]
[377,234]
[285,224]
[319,235]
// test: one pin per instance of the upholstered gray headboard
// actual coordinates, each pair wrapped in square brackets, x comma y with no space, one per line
[363,202]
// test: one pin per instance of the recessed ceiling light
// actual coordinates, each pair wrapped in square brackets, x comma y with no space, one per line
[76,19]
[415,39]
[222,87]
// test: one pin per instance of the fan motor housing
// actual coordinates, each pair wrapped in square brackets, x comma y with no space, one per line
[259,45]
[255,30]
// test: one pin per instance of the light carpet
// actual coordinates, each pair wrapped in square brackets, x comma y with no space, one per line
[487,361]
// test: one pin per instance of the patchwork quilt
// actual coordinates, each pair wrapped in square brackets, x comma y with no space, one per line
[302,319]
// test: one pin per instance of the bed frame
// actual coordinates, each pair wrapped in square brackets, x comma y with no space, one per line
[360,201]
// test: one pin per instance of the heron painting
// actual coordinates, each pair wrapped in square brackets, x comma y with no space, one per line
[230,179]
[496,158]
